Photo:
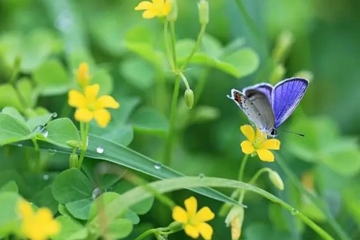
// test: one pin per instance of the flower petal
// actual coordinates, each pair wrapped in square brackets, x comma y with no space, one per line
[260,136]
[191,231]
[248,132]
[179,215]
[91,92]
[167,8]
[76,99]
[247,147]
[204,214]
[107,101]
[83,115]
[205,230]
[25,209]
[149,14]
[158,3]
[265,155]
[270,144]
[144,6]
[82,74]
[102,117]
[191,206]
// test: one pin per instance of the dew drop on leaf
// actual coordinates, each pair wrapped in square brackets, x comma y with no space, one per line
[157,166]
[99,150]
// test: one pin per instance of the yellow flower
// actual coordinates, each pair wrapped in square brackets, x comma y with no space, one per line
[38,225]
[258,144]
[82,75]
[90,106]
[194,222]
[156,8]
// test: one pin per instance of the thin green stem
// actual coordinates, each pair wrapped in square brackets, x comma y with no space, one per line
[242,168]
[337,228]
[252,181]
[173,44]
[173,112]
[183,78]
[197,44]
[201,84]
[146,233]
[85,127]
[167,48]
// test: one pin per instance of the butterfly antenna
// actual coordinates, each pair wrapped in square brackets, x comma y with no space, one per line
[299,134]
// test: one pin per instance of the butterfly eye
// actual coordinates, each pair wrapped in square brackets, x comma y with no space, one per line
[273,132]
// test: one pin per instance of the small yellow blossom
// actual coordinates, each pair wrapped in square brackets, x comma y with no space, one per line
[257,143]
[82,75]
[156,8]
[90,106]
[193,221]
[38,225]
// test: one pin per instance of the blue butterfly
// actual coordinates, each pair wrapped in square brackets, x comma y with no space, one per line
[269,106]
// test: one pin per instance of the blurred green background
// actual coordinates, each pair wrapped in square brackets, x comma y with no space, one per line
[108,34]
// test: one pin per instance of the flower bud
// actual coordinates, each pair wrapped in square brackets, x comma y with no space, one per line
[175,226]
[82,75]
[282,46]
[203,6]
[73,160]
[276,179]
[235,219]
[172,16]
[189,98]
[277,74]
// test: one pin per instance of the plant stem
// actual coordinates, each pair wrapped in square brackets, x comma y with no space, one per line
[197,44]
[173,111]
[173,44]
[242,167]
[84,131]
[201,84]
[146,233]
[337,228]
[167,48]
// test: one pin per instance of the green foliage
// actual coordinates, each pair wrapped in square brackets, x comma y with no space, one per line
[140,163]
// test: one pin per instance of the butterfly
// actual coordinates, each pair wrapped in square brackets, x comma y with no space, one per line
[269,106]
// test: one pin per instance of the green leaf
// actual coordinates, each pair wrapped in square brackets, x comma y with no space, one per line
[122,134]
[211,46]
[123,156]
[51,78]
[244,62]
[70,229]
[149,120]
[143,207]
[40,120]
[104,79]
[9,97]
[147,52]
[45,198]
[9,187]
[14,113]
[71,185]
[12,130]
[9,218]
[119,228]
[138,72]
[184,47]
[25,88]
[60,131]
[80,209]
[73,188]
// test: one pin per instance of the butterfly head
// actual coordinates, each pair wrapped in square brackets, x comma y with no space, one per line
[273,133]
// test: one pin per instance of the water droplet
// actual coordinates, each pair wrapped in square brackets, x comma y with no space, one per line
[294,211]
[96,193]
[54,115]
[18,145]
[201,175]
[38,129]
[157,166]
[44,132]
[99,150]
[52,151]
[46,177]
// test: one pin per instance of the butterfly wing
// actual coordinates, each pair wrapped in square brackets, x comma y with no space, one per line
[286,96]
[256,106]
[264,88]
[260,98]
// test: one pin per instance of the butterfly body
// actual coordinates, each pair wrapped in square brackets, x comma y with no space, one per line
[269,106]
